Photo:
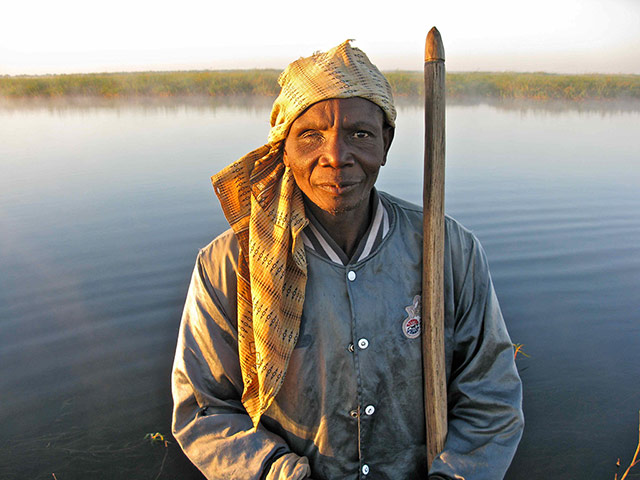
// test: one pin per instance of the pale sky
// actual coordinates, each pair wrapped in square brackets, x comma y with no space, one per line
[70,36]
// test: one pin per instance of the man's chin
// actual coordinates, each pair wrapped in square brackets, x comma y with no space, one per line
[343,208]
[337,207]
[338,211]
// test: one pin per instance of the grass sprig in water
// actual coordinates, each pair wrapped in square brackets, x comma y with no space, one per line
[635,461]
[517,349]
[159,438]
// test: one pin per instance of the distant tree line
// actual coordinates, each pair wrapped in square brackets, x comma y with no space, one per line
[542,86]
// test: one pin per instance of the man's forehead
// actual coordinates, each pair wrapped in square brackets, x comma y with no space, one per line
[349,111]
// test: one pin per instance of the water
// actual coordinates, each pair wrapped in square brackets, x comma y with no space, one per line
[105,204]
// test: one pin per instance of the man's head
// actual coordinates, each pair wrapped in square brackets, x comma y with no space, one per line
[336,114]
[335,150]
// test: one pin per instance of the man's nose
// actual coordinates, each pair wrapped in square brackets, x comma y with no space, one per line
[336,152]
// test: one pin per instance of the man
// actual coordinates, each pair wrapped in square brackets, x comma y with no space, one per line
[299,352]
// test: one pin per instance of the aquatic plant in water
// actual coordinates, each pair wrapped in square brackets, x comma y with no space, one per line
[158,438]
[635,461]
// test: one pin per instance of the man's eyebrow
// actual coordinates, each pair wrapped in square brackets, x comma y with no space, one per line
[368,124]
[314,124]
[308,124]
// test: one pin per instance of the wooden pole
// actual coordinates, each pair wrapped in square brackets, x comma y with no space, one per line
[435,389]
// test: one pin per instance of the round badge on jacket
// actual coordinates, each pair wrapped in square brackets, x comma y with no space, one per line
[411,324]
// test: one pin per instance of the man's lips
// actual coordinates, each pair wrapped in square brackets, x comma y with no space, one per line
[338,187]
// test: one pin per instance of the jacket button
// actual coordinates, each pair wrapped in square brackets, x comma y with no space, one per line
[369,409]
[363,343]
[351,276]
[365,469]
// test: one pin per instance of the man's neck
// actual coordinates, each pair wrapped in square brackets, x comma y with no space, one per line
[345,228]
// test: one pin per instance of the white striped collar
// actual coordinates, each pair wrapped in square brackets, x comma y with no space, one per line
[316,238]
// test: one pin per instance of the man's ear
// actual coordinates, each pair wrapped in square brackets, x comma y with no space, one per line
[285,158]
[387,136]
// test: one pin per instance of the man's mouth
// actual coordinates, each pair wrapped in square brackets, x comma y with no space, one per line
[338,188]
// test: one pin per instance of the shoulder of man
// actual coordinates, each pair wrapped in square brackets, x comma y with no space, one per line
[400,203]
[222,248]
[218,261]
[458,235]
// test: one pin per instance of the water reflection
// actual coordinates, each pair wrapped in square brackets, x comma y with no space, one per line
[152,105]
[260,103]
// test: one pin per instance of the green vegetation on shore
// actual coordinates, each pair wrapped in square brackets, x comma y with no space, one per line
[155,84]
[537,86]
[540,86]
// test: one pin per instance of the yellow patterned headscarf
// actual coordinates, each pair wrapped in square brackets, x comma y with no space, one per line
[264,207]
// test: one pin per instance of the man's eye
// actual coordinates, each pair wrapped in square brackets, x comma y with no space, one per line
[310,135]
[361,134]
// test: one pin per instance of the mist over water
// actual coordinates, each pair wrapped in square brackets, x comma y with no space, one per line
[105,204]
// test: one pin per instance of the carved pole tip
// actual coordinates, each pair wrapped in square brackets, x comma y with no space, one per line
[434,48]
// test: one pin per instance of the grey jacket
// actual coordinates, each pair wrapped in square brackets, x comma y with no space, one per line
[352,400]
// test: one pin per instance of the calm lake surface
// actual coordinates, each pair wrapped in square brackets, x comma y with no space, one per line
[103,207]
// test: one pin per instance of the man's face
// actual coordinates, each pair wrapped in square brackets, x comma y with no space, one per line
[335,150]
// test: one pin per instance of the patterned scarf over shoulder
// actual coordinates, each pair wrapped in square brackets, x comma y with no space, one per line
[264,207]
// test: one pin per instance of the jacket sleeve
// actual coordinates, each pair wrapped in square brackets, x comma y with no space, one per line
[484,395]
[209,421]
